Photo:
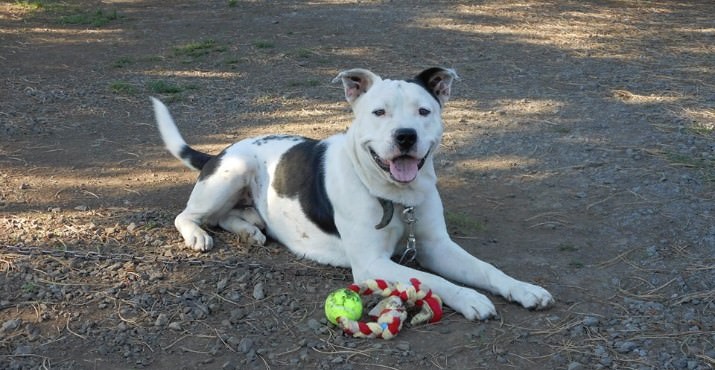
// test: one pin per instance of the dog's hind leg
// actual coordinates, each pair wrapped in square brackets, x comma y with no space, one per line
[214,196]
[246,223]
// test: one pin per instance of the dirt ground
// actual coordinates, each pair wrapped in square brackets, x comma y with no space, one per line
[579,154]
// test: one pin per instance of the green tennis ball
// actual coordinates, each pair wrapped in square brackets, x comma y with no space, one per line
[343,303]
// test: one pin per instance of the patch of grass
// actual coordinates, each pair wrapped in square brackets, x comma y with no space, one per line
[196,49]
[304,83]
[164,87]
[690,161]
[97,18]
[463,222]
[123,88]
[263,44]
[576,264]
[302,53]
[232,3]
[705,166]
[123,62]
[53,7]
[702,129]
[567,248]
[561,129]
[151,224]
[29,287]
[232,61]
[30,5]
[151,58]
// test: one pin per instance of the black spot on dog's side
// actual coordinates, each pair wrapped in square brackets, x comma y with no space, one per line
[301,174]
[266,139]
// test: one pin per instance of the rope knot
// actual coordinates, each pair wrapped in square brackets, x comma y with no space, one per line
[390,313]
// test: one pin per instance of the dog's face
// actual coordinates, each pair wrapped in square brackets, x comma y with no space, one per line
[398,123]
[400,126]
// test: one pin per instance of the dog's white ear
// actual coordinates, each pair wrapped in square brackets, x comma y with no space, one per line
[438,81]
[356,82]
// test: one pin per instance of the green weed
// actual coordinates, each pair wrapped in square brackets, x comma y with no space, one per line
[263,44]
[702,129]
[302,53]
[463,222]
[304,83]
[164,87]
[97,18]
[123,62]
[29,287]
[198,49]
[567,248]
[30,5]
[123,88]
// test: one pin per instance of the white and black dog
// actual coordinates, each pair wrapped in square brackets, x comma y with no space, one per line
[333,200]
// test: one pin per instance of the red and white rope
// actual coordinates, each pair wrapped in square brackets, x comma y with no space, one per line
[390,313]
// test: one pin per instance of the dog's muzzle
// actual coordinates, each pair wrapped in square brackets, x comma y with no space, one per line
[403,168]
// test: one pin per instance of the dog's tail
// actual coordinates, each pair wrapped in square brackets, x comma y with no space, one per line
[173,140]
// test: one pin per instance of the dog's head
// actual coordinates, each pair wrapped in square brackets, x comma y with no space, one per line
[398,123]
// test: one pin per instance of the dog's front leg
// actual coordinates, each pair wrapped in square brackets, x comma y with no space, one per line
[448,259]
[369,251]
[466,301]
[438,253]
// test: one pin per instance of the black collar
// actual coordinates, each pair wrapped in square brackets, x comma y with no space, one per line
[388,208]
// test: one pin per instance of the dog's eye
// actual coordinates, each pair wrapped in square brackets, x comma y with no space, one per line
[379,112]
[424,112]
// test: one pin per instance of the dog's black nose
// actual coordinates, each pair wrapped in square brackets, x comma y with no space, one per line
[405,138]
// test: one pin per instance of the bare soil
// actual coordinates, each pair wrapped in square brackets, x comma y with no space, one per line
[579,154]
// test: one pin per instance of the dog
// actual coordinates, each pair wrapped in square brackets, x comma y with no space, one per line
[340,200]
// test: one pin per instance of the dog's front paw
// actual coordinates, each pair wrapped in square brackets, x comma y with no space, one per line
[253,237]
[198,240]
[472,305]
[195,237]
[530,296]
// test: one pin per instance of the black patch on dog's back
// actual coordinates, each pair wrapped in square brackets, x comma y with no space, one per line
[301,173]
[269,138]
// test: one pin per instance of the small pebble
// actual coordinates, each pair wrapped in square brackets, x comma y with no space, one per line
[258,292]
[10,325]
[245,345]
[625,347]
[175,325]
[22,350]
[161,320]
[221,284]
[403,346]
[590,321]
[236,315]
[313,324]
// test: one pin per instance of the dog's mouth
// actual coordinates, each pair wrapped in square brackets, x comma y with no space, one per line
[403,168]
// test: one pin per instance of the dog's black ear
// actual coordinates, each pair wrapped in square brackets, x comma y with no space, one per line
[356,82]
[438,81]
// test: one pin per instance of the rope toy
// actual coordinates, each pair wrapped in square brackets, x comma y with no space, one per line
[390,313]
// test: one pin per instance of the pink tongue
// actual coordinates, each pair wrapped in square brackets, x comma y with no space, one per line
[404,169]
